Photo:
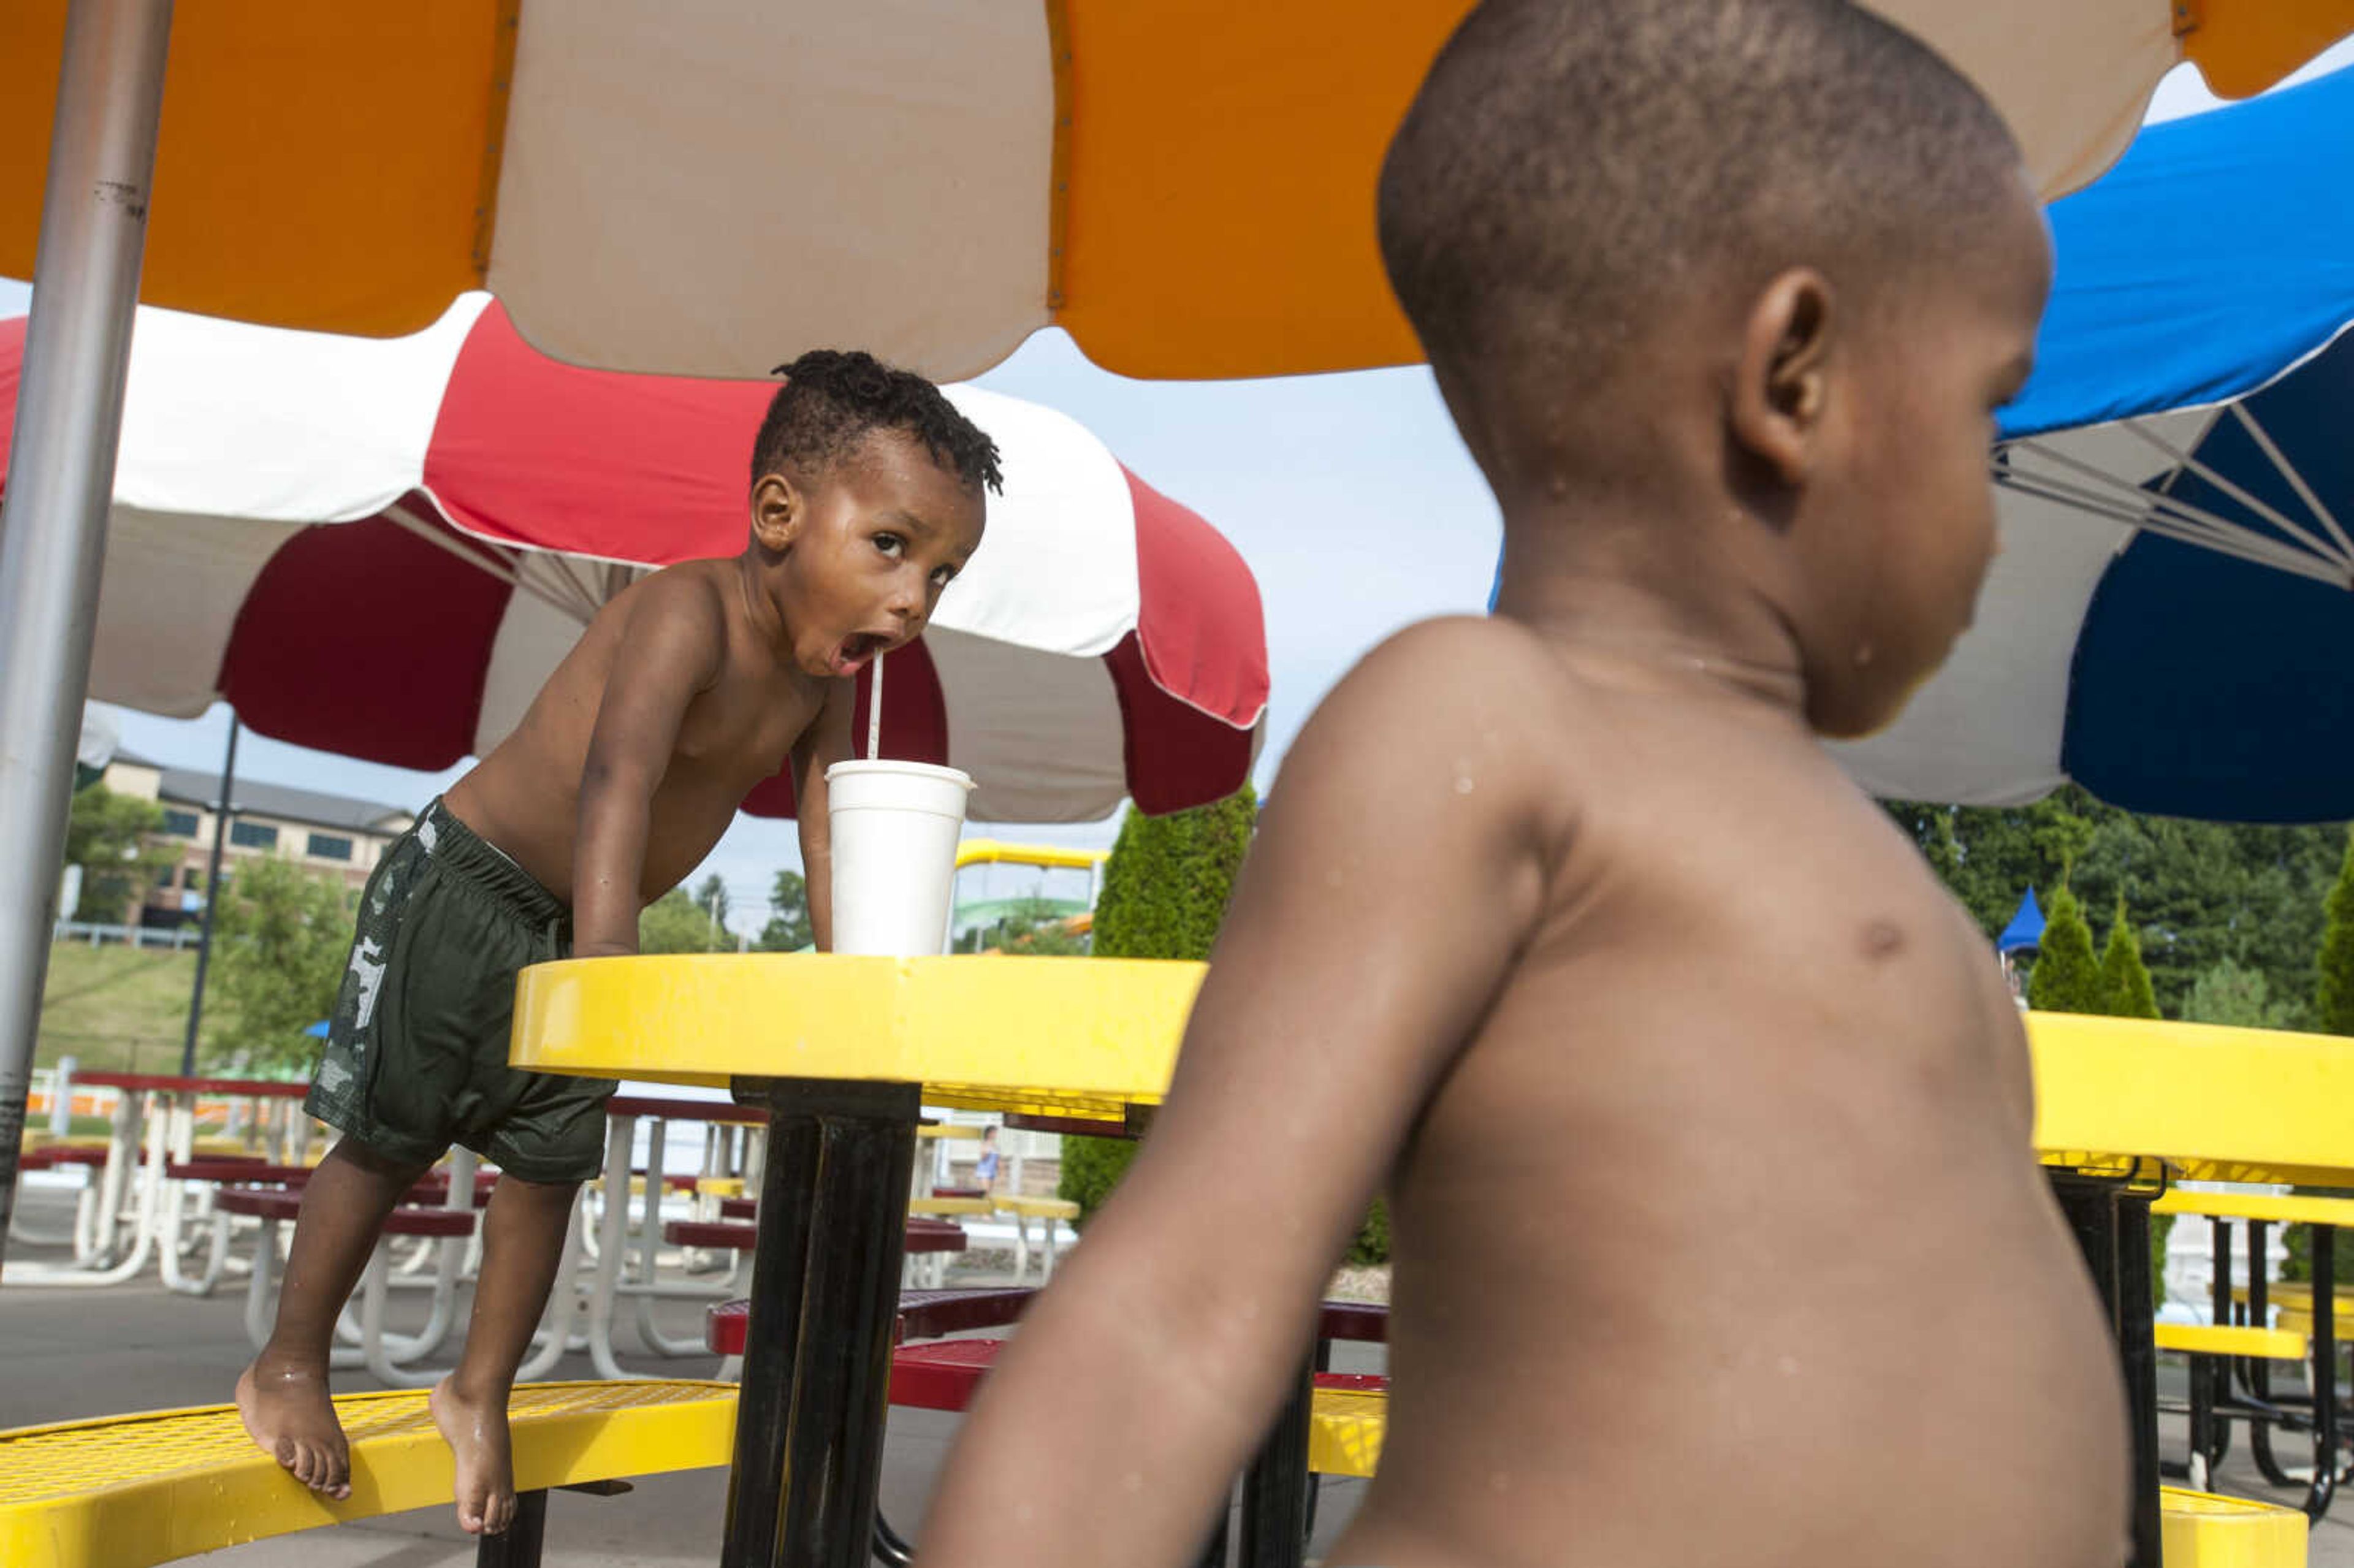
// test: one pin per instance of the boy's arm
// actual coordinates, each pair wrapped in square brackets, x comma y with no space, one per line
[826,742]
[1400,866]
[670,650]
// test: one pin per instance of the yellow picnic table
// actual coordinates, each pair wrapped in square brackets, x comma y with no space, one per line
[845,1050]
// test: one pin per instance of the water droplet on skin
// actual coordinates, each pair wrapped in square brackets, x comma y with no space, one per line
[1463,783]
[1500,1482]
[1862,654]
[1789,1366]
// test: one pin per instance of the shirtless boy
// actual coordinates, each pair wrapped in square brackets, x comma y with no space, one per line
[683,693]
[1561,925]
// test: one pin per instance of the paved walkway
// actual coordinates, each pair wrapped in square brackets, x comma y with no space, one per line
[139,1347]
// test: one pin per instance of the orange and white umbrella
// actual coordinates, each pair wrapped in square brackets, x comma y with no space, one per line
[692,186]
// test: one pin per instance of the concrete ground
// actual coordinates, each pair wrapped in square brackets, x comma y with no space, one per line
[83,1352]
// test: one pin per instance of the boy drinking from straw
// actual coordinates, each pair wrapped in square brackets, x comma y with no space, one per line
[686,692]
[1702,1110]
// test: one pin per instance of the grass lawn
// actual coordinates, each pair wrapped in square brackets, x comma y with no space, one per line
[116,1008]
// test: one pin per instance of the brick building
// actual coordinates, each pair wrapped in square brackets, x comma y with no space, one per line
[327,835]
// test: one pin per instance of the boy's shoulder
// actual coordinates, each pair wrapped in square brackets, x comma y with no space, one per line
[1463,712]
[1457,655]
[687,597]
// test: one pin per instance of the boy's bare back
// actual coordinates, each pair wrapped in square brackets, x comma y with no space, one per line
[1704,1113]
[747,711]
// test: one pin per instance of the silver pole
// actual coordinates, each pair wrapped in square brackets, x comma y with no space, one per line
[53,525]
[224,810]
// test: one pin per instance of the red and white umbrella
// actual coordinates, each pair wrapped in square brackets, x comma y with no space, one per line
[382,547]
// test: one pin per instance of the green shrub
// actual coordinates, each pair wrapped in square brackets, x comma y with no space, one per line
[1164,895]
[1373,1243]
[2124,976]
[2333,994]
[2231,993]
[2067,978]
[2301,1244]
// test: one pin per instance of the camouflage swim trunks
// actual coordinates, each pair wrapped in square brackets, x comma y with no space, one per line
[416,1051]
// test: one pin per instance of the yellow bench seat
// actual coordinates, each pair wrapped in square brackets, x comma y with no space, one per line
[943,1207]
[1037,1208]
[2200,1530]
[2272,1208]
[2207,1339]
[128,1492]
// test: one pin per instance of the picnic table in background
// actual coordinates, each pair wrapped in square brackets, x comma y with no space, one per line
[154,1127]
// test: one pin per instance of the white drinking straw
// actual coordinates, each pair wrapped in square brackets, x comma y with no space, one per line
[875,712]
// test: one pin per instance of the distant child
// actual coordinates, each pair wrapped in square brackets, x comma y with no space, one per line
[984,1168]
[1702,1112]
[684,693]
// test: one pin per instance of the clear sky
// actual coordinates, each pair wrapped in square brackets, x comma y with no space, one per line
[1350,496]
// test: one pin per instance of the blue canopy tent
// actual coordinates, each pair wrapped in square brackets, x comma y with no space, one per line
[2171,621]
[2025,932]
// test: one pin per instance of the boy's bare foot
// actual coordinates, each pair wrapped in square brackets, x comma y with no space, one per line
[288,1411]
[476,1431]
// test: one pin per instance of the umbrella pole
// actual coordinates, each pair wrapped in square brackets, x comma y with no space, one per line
[53,525]
[223,811]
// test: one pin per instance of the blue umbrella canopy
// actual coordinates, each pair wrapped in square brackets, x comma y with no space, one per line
[2171,621]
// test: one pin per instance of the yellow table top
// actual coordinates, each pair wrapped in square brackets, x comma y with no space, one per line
[1075,1037]
[1087,1037]
[941,1206]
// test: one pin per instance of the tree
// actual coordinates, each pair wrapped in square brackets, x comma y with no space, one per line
[2333,992]
[280,939]
[788,929]
[1986,855]
[106,835]
[2204,892]
[711,897]
[2123,977]
[2066,977]
[1164,894]
[2231,993]
[675,923]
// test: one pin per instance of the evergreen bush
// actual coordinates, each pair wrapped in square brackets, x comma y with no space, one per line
[2333,992]
[1164,894]
[2124,976]
[2067,978]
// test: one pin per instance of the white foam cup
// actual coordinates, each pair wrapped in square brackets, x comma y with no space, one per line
[894,828]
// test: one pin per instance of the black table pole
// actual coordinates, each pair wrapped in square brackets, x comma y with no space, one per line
[849,1299]
[2111,1221]
[1275,1488]
[772,1328]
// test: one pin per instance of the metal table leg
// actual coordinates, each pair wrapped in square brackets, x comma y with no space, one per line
[2324,1240]
[817,1349]
[771,1330]
[1275,1488]
[2111,1221]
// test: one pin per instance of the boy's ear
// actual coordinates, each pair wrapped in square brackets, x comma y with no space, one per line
[1782,384]
[778,509]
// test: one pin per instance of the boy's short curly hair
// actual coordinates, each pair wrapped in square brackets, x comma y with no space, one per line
[833,398]
[1575,174]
